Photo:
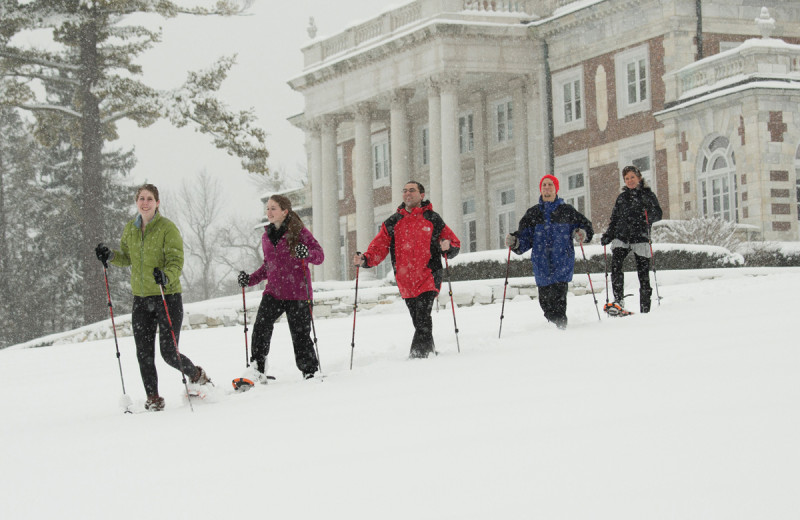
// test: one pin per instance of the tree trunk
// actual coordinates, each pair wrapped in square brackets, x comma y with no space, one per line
[92,197]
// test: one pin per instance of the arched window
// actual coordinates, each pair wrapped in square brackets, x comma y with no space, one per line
[717,179]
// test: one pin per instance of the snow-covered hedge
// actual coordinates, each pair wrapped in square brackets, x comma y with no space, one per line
[492,264]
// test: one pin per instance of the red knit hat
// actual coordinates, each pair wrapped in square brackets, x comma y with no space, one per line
[555,182]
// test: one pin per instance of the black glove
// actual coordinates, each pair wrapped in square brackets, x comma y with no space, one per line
[244,279]
[104,254]
[160,277]
[301,251]
[605,239]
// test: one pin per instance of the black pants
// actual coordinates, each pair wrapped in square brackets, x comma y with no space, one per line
[420,308]
[147,317]
[299,317]
[553,300]
[618,256]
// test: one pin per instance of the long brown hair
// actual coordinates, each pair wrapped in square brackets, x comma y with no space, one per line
[294,224]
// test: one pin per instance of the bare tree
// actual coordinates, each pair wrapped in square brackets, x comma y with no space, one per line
[703,231]
[198,214]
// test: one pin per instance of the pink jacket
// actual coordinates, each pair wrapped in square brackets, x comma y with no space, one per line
[285,276]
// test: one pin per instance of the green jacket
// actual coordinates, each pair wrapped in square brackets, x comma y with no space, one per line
[160,245]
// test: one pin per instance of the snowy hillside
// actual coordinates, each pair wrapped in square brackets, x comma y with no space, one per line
[690,412]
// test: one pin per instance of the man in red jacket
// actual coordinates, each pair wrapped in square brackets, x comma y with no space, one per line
[416,237]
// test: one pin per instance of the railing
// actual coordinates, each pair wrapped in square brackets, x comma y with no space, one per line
[406,15]
[750,60]
[500,6]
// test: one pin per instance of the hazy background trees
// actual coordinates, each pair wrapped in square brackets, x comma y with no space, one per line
[78,83]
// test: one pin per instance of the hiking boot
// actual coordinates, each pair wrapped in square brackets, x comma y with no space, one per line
[308,375]
[419,354]
[201,378]
[154,403]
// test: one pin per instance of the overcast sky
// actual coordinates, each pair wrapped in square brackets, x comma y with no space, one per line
[268,44]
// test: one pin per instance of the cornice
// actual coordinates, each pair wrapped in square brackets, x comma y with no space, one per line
[550,27]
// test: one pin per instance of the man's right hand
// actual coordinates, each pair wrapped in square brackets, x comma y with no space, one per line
[511,241]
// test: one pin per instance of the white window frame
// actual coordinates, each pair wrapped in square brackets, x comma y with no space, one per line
[503,124]
[569,165]
[634,56]
[632,151]
[340,170]
[424,145]
[385,267]
[343,263]
[505,214]
[466,132]
[569,78]
[575,196]
[470,216]
[381,160]
[710,178]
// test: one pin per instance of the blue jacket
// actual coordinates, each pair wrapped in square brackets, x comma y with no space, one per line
[547,229]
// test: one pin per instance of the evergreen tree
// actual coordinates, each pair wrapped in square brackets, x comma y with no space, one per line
[92,69]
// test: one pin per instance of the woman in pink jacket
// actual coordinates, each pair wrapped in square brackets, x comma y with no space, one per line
[288,249]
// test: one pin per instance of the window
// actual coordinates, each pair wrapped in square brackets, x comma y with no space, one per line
[572,101]
[717,179]
[797,179]
[504,121]
[340,170]
[425,148]
[633,84]
[470,242]
[343,263]
[506,216]
[568,101]
[466,139]
[380,159]
[573,190]
[638,151]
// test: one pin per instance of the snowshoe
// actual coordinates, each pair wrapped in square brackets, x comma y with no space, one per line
[250,379]
[616,309]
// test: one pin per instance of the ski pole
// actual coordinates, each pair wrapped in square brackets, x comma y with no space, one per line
[605,268]
[505,286]
[591,286]
[452,304]
[175,342]
[653,256]
[246,353]
[311,313]
[355,307]
[126,398]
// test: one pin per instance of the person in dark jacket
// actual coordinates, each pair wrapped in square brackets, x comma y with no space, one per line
[288,249]
[548,229]
[152,247]
[635,210]
[417,238]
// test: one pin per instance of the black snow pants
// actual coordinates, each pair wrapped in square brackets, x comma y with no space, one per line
[420,309]
[147,317]
[299,317]
[553,300]
[618,256]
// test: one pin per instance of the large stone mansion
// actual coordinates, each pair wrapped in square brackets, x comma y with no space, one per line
[478,99]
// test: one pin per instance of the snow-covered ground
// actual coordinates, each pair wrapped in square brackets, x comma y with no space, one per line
[690,412]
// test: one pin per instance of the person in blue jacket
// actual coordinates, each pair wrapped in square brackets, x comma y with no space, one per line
[548,229]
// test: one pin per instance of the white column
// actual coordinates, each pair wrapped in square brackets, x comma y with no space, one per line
[399,148]
[330,200]
[538,135]
[315,171]
[363,181]
[451,210]
[434,187]
[480,131]
[522,186]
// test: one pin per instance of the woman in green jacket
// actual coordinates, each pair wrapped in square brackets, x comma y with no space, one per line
[153,248]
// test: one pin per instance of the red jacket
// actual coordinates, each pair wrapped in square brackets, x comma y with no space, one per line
[412,238]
